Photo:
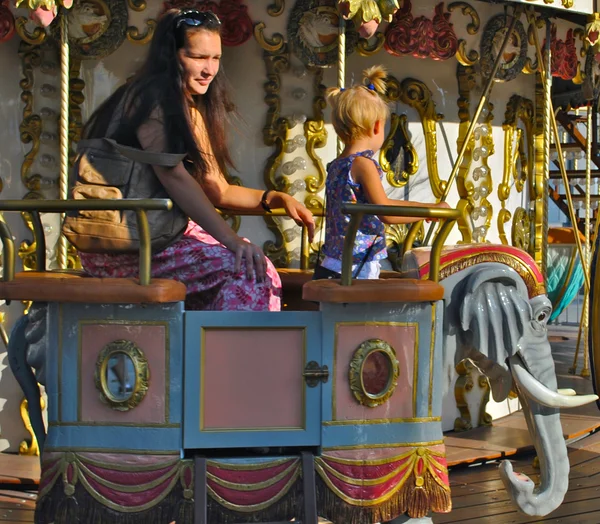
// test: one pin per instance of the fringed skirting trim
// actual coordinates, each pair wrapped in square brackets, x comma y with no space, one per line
[286,508]
[81,508]
[415,501]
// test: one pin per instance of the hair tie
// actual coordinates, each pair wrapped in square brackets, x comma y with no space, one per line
[371,87]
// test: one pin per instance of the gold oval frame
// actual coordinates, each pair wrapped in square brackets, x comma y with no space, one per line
[357,363]
[141,371]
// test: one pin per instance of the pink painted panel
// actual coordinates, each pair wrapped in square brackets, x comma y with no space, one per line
[252,378]
[400,405]
[152,341]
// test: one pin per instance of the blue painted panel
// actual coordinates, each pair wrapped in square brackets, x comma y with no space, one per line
[195,321]
[69,319]
[381,434]
[437,392]
[111,438]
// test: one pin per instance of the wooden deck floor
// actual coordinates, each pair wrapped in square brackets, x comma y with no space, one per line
[478,494]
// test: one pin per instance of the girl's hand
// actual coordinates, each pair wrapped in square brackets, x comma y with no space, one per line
[249,256]
[298,212]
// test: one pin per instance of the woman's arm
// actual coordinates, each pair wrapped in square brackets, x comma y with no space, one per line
[191,198]
[366,174]
[225,195]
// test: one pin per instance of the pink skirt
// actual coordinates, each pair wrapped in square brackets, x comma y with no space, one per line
[205,266]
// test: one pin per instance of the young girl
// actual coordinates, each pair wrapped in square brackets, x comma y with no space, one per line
[359,115]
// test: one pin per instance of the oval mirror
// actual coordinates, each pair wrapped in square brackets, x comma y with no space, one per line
[122,375]
[374,372]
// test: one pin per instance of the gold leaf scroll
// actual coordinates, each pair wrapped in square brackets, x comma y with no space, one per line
[417,95]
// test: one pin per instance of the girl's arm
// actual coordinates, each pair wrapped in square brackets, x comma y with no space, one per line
[191,198]
[365,173]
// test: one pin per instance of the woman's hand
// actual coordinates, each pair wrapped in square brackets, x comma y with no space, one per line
[297,212]
[250,257]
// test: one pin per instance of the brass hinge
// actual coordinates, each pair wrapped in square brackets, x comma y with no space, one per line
[313,374]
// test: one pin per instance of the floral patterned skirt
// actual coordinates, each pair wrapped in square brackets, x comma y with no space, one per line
[205,266]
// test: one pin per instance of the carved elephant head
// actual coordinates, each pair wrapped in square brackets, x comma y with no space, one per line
[496,315]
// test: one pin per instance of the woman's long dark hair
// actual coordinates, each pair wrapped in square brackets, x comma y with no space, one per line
[160,83]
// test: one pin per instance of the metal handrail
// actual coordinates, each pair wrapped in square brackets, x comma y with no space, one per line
[357,212]
[35,207]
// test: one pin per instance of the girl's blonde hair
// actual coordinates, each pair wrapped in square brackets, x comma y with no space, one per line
[357,108]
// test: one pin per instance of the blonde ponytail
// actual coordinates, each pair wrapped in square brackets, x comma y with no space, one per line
[375,76]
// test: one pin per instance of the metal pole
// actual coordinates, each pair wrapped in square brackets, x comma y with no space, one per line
[61,255]
[484,98]
[341,69]
[585,372]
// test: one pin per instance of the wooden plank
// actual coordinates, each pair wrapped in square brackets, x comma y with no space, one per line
[19,469]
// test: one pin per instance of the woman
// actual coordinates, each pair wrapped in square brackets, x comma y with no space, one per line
[178,103]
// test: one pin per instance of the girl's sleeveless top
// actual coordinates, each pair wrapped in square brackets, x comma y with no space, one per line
[340,188]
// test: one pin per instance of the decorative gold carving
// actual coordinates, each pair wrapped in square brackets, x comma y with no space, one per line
[464,384]
[365,48]
[518,154]
[466,58]
[276,8]
[399,138]
[29,446]
[36,37]
[31,126]
[122,349]
[274,44]
[521,229]
[137,5]
[466,82]
[467,10]
[471,57]
[357,368]
[135,37]
[275,133]
[417,95]
[567,3]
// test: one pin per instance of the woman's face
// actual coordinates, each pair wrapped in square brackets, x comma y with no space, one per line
[200,59]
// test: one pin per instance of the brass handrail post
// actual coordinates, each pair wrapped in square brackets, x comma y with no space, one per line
[8,252]
[40,241]
[357,211]
[145,247]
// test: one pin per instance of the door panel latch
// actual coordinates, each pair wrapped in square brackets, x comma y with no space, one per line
[313,374]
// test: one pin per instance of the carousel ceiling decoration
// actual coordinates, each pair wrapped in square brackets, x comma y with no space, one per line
[313,31]
[514,58]
[421,37]
[434,38]
[96,28]
[368,14]
[565,62]
[236,25]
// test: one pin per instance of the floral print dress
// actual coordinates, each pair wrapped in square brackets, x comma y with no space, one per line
[369,246]
[205,266]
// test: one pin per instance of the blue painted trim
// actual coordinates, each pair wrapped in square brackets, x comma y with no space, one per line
[195,321]
[52,362]
[377,434]
[438,363]
[424,351]
[111,438]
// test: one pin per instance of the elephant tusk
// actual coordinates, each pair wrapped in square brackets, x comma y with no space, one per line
[536,391]
[567,392]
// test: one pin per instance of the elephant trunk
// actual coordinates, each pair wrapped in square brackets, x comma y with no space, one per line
[545,428]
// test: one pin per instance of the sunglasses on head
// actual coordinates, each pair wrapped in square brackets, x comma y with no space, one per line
[194,18]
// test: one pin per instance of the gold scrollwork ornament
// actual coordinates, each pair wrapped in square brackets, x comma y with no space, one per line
[398,139]
[135,37]
[116,360]
[417,95]
[362,361]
